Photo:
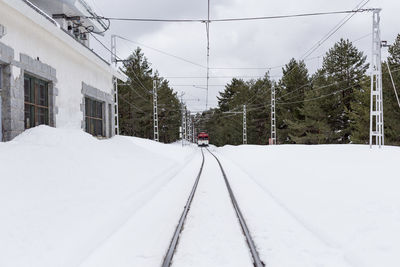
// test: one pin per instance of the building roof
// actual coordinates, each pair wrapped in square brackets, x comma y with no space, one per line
[71,8]
[41,18]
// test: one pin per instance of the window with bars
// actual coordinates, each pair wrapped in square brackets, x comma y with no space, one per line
[94,117]
[36,98]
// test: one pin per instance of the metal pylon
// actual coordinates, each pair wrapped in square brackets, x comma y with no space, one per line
[184,118]
[116,117]
[189,128]
[273,117]
[155,109]
[194,134]
[115,83]
[244,125]
[376,107]
[114,49]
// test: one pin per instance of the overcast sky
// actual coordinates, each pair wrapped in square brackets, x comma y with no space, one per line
[249,44]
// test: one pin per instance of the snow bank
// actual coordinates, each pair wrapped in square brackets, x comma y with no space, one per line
[70,200]
[63,193]
[329,205]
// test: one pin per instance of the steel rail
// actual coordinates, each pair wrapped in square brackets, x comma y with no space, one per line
[174,242]
[253,250]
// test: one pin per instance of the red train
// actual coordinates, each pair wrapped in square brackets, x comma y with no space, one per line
[202,139]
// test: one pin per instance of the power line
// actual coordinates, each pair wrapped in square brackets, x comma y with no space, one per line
[162,52]
[194,85]
[292,16]
[334,29]
[312,99]
[258,68]
[219,77]
[208,48]
[316,76]
[130,85]
[233,19]
[132,105]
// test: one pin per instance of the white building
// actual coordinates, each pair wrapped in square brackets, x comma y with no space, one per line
[48,73]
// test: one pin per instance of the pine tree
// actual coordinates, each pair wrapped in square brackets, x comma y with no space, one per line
[227,128]
[291,89]
[136,101]
[344,70]
[360,115]
[259,111]
[169,113]
[314,128]
[391,109]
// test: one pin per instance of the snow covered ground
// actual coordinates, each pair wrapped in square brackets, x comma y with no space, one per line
[70,200]
[64,194]
[331,205]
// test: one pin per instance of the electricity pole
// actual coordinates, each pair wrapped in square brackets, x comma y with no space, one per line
[183,120]
[273,117]
[194,133]
[208,49]
[115,83]
[189,127]
[244,126]
[244,122]
[155,110]
[184,124]
[376,106]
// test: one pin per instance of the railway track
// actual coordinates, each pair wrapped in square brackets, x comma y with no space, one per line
[174,242]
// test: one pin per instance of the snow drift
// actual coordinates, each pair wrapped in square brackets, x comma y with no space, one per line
[70,200]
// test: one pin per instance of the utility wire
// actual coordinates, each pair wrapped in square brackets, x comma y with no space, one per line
[394,86]
[335,29]
[130,85]
[133,71]
[258,68]
[132,105]
[312,99]
[233,19]
[162,52]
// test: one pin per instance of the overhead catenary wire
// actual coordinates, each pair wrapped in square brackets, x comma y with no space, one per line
[319,97]
[352,12]
[233,19]
[335,29]
[109,50]
[135,91]
[394,86]
[162,52]
[315,98]
[208,48]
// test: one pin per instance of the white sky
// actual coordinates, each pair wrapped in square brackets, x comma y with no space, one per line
[236,44]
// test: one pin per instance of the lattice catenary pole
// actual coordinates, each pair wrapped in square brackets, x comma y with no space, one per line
[185,124]
[194,133]
[115,83]
[273,117]
[189,128]
[244,125]
[376,106]
[155,110]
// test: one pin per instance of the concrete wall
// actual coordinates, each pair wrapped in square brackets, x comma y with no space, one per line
[36,46]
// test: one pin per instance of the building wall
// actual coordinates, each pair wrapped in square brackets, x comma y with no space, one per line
[34,45]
